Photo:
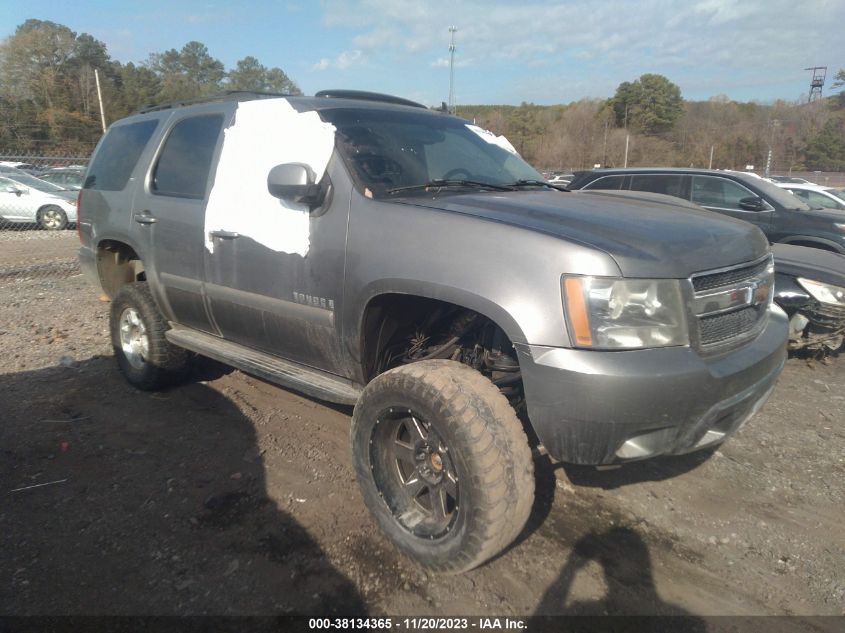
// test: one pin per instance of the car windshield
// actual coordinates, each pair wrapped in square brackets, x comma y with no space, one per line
[839,193]
[779,195]
[393,151]
[35,183]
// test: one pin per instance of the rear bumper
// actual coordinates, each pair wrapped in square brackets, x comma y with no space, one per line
[595,407]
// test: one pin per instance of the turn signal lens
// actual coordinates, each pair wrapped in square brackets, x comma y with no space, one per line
[576,308]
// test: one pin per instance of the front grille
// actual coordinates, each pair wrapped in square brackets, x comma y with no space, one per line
[725,278]
[731,305]
[719,328]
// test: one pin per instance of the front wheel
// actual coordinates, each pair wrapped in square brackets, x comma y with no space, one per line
[443,463]
[52,218]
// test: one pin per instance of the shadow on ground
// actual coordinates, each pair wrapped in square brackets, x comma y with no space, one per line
[627,574]
[160,505]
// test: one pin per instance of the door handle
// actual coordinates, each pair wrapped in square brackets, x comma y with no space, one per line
[224,235]
[145,218]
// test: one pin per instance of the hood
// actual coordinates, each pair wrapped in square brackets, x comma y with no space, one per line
[646,236]
[811,263]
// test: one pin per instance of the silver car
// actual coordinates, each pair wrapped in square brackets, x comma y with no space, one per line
[27,199]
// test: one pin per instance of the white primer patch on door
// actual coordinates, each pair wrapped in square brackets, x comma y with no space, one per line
[491,138]
[266,133]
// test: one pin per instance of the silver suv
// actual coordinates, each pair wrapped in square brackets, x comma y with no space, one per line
[365,250]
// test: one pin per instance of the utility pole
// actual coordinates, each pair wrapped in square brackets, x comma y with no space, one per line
[100,98]
[773,123]
[452,30]
[710,164]
[627,138]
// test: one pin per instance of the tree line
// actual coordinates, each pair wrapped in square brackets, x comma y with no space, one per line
[663,129]
[48,103]
[48,94]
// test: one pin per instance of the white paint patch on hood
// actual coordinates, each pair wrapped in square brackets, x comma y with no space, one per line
[491,138]
[266,133]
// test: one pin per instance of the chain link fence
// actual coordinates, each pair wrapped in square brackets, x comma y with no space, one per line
[38,216]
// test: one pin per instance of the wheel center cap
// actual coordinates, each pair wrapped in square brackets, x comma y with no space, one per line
[436,461]
[429,462]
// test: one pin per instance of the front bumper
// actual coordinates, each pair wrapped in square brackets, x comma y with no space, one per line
[598,407]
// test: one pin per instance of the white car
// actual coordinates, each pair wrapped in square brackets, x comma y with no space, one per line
[817,196]
[26,199]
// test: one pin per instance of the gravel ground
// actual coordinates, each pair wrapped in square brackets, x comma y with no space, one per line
[229,495]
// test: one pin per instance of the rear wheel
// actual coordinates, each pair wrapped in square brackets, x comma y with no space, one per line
[147,359]
[52,218]
[443,463]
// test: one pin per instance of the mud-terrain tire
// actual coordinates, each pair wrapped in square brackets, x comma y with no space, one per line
[52,218]
[144,355]
[456,419]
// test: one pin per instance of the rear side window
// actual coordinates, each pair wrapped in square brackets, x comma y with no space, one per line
[606,182]
[118,155]
[182,168]
[659,183]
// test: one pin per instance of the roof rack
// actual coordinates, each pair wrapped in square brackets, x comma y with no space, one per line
[229,95]
[363,95]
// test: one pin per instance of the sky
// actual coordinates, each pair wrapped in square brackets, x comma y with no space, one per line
[506,52]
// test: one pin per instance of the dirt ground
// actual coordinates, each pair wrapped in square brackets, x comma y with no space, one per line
[229,495]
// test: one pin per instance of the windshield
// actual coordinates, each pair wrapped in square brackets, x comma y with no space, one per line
[839,193]
[387,150]
[35,183]
[779,195]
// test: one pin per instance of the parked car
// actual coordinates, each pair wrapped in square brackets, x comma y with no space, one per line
[366,250]
[561,180]
[816,196]
[810,288]
[782,217]
[28,168]
[809,285]
[789,179]
[27,199]
[65,177]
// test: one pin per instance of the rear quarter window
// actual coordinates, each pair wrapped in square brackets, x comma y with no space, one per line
[118,154]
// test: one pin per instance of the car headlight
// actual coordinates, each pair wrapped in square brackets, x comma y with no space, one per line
[823,293]
[612,313]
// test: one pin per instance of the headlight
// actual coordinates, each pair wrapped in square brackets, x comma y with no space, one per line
[823,293]
[610,313]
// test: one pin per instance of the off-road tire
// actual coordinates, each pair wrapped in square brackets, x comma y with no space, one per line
[164,364]
[58,218]
[486,442]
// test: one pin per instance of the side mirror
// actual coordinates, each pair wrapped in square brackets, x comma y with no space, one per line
[294,182]
[752,203]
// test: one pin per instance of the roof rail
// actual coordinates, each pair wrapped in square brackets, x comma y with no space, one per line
[229,95]
[363,95]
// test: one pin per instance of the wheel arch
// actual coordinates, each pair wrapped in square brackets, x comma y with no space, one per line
[391,297]
[118,264]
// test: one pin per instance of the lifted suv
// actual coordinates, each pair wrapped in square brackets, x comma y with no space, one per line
[365,250]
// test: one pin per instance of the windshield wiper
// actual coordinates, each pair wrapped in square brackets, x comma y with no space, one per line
[536,183]
[440,183]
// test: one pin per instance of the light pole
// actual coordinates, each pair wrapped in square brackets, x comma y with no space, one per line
[452,30]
